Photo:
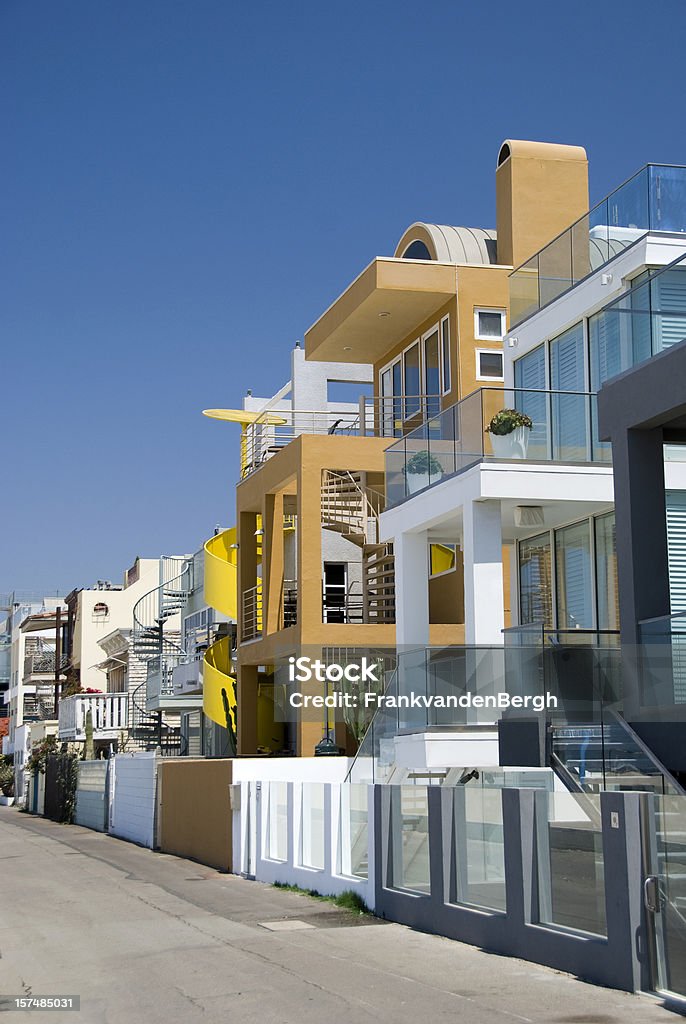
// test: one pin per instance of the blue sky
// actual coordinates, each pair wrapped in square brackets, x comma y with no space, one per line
[160,156]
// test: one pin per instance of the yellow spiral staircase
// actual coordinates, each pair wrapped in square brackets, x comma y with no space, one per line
[219,681]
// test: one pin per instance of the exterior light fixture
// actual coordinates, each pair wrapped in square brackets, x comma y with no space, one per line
[233,547]
[259,533]
[513,342]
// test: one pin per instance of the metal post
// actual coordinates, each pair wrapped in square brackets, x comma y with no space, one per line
[362,413]
[58,657]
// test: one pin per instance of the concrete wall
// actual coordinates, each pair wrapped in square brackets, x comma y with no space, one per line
[194,810]
[134,799]
[91,795]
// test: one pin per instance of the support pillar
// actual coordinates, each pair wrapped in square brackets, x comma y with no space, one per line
[411,551]
[483,574]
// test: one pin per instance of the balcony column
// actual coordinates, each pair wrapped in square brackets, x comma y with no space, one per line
[411,551]
[247,559]
[309,559]
[246,691]
[272,561]
[483,573]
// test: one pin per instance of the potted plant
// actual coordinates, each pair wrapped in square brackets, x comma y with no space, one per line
[421,470]
[509,430]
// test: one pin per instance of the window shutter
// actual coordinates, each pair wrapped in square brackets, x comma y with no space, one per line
[669,297]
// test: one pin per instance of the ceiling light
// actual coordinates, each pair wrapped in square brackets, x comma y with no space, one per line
[347,348]
[384,313]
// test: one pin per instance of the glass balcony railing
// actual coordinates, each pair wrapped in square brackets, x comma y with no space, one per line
[654,199]
[563,429]
[643,321]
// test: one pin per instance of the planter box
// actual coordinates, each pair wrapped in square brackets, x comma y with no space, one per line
[511,446]
[6,801]
[418,481]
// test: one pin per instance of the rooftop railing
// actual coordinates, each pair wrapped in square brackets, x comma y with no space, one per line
[563,429]
[654,199]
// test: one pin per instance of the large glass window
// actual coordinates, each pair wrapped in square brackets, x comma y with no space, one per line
[432,374]
[574,579]
[569,412]
[535,580]
[606,572]
[411,374]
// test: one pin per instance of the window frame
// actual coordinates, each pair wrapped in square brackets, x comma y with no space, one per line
[489,351]
[503,322]
[445,358]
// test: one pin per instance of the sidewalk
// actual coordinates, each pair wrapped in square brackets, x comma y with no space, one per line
[142,936]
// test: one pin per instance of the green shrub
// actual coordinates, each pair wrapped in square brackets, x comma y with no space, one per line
[508,420]
[423,462]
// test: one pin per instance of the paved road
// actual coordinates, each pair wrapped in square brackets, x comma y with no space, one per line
[152,938]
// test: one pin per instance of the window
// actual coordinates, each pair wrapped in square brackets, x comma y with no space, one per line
[442,558]
[535,581]
[574,582]
[417,250]
[390,389]
[606,572]
[445,342]
[489,324]
[432,373]
[100,609]
[411,376]
[570,429]
[489,364]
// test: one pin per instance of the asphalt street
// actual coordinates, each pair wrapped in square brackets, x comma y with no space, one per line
[142,936]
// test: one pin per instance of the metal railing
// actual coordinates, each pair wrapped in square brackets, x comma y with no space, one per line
[654,199]
[40,663]
[374,417]
[251,607]
[564,429]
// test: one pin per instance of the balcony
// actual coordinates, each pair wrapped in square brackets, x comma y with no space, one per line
[388,416]
[109,711]
[654,199]
[564,430]
[644,321]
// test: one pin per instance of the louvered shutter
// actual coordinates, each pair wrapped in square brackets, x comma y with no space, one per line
[669,297]
[569,412]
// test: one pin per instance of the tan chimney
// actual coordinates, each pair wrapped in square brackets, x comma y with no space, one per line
[540,189]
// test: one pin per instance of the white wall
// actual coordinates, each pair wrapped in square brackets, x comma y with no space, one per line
[314,835]
[134,798]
